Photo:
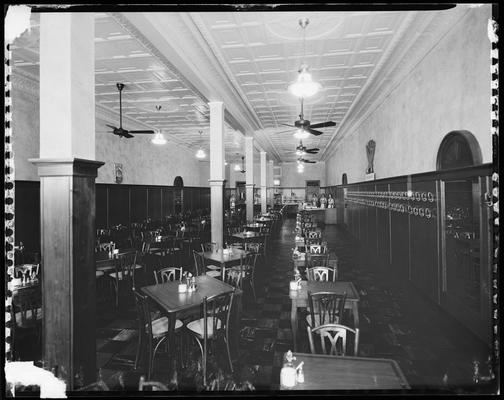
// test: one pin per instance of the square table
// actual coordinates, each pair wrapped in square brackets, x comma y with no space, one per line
[325,372]
[248,235]
[167,297]
[299,299]
[224,258]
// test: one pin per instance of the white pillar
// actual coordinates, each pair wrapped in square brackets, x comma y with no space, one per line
[67,171]
[263,181]
[217,173]
[249,176]
[270,182]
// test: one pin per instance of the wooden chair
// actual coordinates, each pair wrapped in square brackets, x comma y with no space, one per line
[200,267]
[150,331]
[325,308]
[124,274]
[244,272]
[321,274]
[213,326]
[316,260]
[108,247]
[336,336]
[168,274]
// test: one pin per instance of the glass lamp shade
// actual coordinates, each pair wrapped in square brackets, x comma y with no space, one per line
[200,153]
[301,134]
[304,85]
[300,152]
[158,139]
[300,168]
[237,167]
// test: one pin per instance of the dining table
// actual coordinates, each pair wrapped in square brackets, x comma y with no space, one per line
[167,297]
[328,372]
[224,257]
[256,226]
[299,299]
[248,235]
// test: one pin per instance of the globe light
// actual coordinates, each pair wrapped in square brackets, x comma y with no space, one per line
[237,167]
[158,139]
[304,85]
[301,134]
[200,153]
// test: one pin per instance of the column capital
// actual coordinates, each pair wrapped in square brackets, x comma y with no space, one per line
[216,182]
[67,166]
[250,185]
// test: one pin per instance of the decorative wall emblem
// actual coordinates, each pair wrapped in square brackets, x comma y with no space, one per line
[370,150]
[118,172]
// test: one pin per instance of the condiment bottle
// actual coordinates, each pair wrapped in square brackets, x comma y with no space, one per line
[288,372]
[300,373]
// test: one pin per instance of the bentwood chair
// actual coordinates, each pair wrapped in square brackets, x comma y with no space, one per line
[200,267]
[151,332]
[244,272]
[168,274]
[322,274]
[316,260]
[153,386]
[124,274]
[325,308]
[333,340]
[213,327]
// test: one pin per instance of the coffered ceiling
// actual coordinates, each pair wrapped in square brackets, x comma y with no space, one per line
[181,61]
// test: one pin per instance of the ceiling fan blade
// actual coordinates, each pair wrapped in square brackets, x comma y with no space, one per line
[308,161]
[138,132]
[293,126]
[312,151]
[111,126]
[314,132]
[126,134]
[323,124]
[288,130]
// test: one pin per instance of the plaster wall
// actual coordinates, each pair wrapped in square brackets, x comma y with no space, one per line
[291,178]
[143,162]
[449,89]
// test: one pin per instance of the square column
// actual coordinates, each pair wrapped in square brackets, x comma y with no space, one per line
[67,171]
[263,182]
[269,176]
[217,171]
[249,177]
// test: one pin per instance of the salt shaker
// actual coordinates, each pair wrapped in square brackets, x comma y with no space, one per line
[300,373]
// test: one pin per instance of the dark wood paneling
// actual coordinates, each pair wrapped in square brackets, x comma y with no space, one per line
[167,193]
[27,214]
[383,230]
[138,206]
[118,205]
[101,206]
[154,203]
[399,233]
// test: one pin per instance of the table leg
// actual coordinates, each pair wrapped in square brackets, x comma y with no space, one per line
[355,312]
[294,324]
[171,341]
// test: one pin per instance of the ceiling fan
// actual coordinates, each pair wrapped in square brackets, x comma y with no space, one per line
[302,160]
[305,125]
[120,131]
[302,150]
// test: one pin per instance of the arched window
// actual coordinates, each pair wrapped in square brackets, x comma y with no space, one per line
[344,180]
[458,149]
[178,182]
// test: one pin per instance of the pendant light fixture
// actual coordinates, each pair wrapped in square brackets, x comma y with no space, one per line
[158,138]
[200,153]
[241,169]
[304,85]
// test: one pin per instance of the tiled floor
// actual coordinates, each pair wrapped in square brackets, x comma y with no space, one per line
[434,352]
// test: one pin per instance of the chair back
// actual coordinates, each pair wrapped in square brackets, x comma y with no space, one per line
[209,246]
[217,311]
[108,247]
[143,313]
[316,260]
[321,274]
[199,263]
[326,307]
[126,263]
[315,248]
[314,234]
[168,274]
[333,340]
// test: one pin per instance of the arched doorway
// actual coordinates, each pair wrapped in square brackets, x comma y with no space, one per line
[464,231]
[458,149]
[178,194]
